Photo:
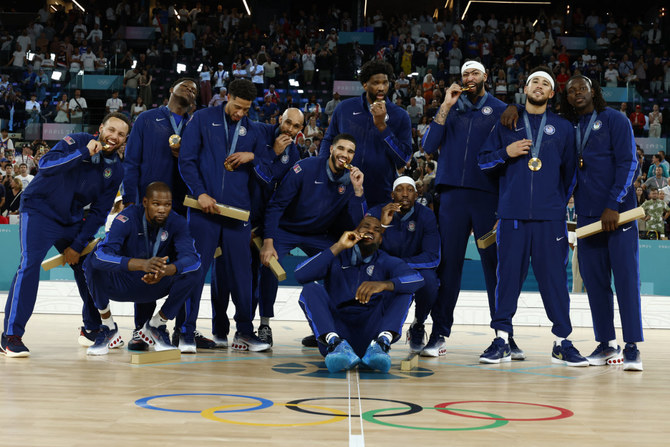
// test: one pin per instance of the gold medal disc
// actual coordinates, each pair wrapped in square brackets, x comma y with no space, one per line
[174,141]
[534,164]
[581,163]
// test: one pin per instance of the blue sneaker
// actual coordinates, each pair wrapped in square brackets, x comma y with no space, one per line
[341,356]
[107,338]
[249,342]
[376,356]
[202,342]
[86,337]
[415,336]
[602,354]
[498,352]
[12,346]
[517,352]
[567,354]
[158,337]
[631,358]
[436,347]
[187,343]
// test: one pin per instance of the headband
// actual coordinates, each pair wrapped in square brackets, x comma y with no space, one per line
[541,74]
[404,179]
[473,64]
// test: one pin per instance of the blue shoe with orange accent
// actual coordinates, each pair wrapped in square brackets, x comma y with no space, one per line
[12,346]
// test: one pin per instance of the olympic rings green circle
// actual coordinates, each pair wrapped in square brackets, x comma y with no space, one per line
[370,417]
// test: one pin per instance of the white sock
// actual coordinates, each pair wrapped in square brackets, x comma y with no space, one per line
[559,340]
[330,336]
[504,335]
[109,322]
[157,321]
[265,321]
[612,344]
[387,335]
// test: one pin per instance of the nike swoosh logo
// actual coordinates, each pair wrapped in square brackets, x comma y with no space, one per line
[627,228]
[318,182]
[140,234]
[357,113]
[559,238]
[217,124]
[344,267]
[160,119]
[246,224]
[520,128]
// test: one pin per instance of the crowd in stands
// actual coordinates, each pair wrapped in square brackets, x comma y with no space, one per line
[293,60]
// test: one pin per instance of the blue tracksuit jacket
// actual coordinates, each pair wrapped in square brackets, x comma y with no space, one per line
[378,154]
[461,136]
[308,200]
[148,155]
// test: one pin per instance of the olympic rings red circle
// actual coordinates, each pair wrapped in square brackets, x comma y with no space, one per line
[413,408]
[563,412]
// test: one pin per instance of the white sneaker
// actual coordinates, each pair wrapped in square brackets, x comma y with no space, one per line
[249,342]
[220,342]
[187,344]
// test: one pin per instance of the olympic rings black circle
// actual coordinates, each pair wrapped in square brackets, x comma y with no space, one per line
[413,408]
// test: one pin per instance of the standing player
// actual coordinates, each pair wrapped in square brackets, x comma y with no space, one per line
[382,130]
[216,161]
[79,170]
[147,254]
[468,197]
[281,153]
[411,234]
[151,155]
[607,165]
[316,196]
[360,308]
[536,164]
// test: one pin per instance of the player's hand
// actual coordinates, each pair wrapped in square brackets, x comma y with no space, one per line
[175,151]
[610,219]
[510,117]
[208,204]
[150,278]
[268,252]
[369,288]
[388,211]
[71,256]
[155,265]
[348,239]
[519,148]
[357,177]
[451,95]
[378,110]
[94,146]
[281,143]
[239,158]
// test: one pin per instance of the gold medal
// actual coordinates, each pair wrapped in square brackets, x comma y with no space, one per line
[581,163]
[534,164]
[174,141]
[228,166]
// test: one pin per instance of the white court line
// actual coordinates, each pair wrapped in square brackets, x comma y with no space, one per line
[355,440]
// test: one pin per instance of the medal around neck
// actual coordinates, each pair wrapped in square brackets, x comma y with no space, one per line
[581,163]
[174,141]
[534,164]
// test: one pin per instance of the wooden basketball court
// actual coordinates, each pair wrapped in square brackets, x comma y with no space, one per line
[62,397]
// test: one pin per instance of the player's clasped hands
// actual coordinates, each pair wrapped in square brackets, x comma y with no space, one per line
[519,148]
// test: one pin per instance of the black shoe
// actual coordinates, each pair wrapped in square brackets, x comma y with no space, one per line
[310,341]
[265,333]
[136,343]
[202,342]
[175,337]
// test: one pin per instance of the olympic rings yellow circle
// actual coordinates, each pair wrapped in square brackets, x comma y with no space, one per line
[209,413]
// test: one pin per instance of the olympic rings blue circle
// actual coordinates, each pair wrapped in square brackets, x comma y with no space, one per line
[144,402]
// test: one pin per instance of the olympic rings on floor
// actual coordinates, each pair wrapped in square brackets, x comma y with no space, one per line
[563,413]
[413,408]
[210,414]
[144,402]
[498,421]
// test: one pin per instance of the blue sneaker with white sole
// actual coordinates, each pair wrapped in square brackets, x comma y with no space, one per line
[566,354]
[498,352]
[631,358]
[107,338]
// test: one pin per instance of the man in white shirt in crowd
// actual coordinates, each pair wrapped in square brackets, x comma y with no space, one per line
[114,104]
[77,108]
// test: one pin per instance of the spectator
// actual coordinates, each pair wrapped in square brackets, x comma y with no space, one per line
[145,88]
[137,108]
[130,83]
[638,121]
[78,107]
[114,104]
[656,212]
[205,86]
[24,175]
[63,110]
[6,143]
[655,121]
[657,160]
[330,106]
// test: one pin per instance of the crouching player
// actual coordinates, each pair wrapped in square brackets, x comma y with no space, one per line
[147,254]
[360,309]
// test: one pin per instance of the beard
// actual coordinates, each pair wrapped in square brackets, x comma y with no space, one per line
[182,100]
[537,103]
[333,162]
[479,87]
